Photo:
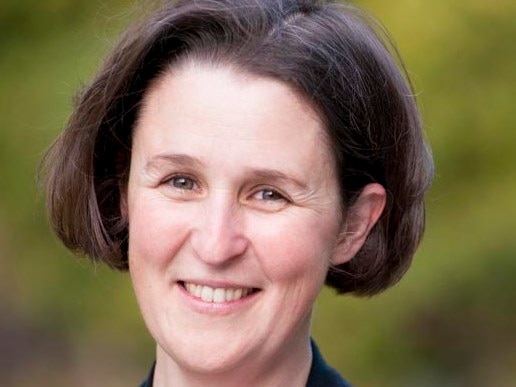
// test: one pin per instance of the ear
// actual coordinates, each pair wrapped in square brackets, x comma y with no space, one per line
[123,182]
[360,219]
[123,203]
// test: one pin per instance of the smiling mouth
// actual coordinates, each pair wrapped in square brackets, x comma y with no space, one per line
[216,295]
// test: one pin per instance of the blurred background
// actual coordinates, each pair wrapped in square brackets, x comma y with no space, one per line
[450,322]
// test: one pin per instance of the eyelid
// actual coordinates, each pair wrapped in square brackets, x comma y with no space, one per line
[177,175]
[283,196]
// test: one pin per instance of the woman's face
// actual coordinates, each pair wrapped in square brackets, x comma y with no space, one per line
[234,216]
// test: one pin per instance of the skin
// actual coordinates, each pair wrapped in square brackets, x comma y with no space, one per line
[232,185]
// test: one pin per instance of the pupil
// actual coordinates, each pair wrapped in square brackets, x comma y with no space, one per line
[182,182]
[269,195]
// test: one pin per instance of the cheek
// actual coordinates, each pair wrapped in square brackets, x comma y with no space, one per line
[294,249]
[155,233]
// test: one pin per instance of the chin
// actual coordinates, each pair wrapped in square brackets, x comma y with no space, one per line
[211,357]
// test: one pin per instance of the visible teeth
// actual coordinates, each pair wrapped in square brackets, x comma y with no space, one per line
[230,295]
[218,295]
[207,294]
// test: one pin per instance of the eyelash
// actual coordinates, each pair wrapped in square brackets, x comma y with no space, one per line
[278,195]
[172,179]
[259,193]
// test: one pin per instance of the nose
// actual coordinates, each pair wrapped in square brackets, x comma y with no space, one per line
[219,236]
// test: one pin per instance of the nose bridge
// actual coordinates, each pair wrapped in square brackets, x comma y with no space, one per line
[219,236]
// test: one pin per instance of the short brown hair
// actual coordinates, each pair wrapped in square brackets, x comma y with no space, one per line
[331,54]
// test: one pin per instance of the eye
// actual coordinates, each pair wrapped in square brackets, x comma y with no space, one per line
[269,195]
[184,183]
[269,199]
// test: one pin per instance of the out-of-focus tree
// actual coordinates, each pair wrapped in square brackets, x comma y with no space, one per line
[450,322]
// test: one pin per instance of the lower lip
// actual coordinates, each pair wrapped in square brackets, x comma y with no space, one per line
[216,308]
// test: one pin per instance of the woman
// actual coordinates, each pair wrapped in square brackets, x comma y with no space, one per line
[235,156]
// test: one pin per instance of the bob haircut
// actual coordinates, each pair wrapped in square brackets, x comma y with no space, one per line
[331,54]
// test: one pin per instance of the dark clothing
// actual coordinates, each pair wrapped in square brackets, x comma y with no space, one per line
[321,374]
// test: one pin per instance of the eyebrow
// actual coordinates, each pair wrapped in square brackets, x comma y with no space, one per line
[181,160]
[274,175]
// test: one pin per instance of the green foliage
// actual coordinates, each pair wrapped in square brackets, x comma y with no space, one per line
[450,322]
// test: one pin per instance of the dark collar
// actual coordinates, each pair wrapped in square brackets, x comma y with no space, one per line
[148,381]
[321,374]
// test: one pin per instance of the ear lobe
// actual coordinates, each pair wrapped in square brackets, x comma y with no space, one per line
[360,219]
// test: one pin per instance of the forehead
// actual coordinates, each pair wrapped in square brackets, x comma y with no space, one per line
[202,109]
[200,90]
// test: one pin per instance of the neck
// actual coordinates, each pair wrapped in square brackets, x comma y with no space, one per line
[289,366]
